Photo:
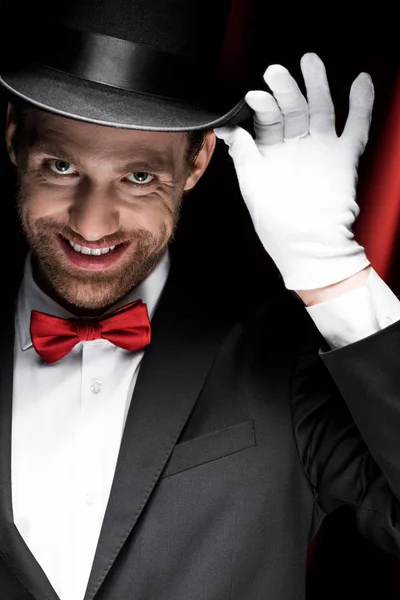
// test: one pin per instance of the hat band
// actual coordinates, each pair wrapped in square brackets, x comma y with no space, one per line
[124,65]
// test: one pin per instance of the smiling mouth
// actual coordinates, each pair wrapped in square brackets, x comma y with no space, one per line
[96,258]
[92,251]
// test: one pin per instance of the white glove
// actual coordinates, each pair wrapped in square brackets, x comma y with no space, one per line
[298,178]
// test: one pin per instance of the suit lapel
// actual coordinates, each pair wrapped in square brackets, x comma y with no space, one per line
[13,549]
[173,371]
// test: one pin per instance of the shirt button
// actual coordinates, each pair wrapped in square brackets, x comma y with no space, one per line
[91,499]
[96,387]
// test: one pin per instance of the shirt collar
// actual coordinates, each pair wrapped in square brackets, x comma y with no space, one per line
[31,297]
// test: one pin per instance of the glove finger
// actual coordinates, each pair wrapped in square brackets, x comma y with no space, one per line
[245,154]
[322,111]
[360,112]
[290,100]
[268,119]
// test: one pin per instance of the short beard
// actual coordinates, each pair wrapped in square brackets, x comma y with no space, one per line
[85,292]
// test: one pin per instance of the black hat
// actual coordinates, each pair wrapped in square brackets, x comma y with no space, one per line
[137,64]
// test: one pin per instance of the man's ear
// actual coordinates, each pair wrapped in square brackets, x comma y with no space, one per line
[11,127]
[202,160]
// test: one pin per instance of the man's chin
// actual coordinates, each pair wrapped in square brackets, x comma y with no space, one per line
[83,291]
[78,294]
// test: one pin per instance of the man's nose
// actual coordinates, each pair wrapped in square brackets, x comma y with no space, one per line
[94,213]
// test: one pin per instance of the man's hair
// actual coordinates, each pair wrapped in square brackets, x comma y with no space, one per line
[196,142]
[21,107]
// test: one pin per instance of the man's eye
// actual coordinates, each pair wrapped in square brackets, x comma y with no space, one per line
[61,167]
[140,177]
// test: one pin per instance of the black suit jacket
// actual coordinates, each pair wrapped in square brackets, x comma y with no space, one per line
[240,438]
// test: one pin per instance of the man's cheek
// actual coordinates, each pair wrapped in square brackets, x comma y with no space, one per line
[40,203]
[149,216]
[161,224]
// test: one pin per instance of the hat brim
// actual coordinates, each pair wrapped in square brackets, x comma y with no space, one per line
[75,98]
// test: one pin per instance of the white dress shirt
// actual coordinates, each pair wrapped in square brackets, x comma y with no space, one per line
[68,420]
[357,314]
[67,426]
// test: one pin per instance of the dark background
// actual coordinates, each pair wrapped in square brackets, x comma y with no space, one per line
[216,241]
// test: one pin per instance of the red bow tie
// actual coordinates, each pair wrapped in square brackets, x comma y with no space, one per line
[53,337]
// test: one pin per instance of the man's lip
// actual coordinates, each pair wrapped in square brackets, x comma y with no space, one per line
[90,262]
[94,245]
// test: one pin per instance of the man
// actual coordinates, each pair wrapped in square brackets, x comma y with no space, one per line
[195,458]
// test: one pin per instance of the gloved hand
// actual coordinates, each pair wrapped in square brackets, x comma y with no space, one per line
[298,178]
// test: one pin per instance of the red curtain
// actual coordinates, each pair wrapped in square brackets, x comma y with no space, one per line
[379,221]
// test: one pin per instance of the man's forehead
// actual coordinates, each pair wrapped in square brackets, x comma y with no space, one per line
[61,130]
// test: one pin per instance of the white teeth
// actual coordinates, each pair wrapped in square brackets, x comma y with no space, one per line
[91,251]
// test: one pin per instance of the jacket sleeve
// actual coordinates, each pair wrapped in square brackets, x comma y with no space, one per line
[346,416]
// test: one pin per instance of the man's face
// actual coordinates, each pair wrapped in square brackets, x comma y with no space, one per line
[98,205]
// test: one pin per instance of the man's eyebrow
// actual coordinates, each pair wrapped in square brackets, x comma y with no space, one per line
[52,143]
[150,162]
[145,158]
[50,147]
